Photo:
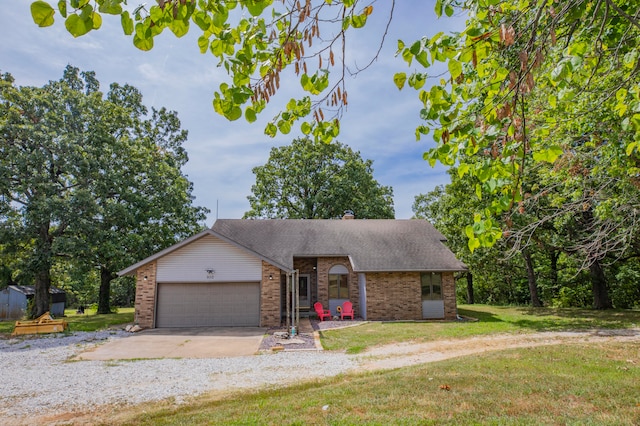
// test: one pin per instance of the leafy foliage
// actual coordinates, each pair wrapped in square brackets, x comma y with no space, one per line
[522,75]
[315,180]
[88,180]
[524,81]
[255,41]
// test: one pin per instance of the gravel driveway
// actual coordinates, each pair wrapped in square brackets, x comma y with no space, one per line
[38,378]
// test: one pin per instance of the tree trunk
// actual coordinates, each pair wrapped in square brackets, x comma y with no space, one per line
[554,255]
[470,298]
[41,298]
[104,295]
[531,278]
[42,283]
[601,298]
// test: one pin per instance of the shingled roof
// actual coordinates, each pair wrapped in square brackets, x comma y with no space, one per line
[373,245]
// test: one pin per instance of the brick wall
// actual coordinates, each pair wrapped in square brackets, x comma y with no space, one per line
[146,295]
[449,296]
[324,266]
[394,296]
[270,296]
[397,296]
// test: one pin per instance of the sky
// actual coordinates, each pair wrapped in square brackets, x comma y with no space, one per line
[379,121]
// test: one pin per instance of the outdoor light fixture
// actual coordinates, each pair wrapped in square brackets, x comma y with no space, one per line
[210,273]
[270,276]
[145,277]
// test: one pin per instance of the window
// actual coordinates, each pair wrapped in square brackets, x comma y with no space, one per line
[338,286]
[431,283]
[338,282]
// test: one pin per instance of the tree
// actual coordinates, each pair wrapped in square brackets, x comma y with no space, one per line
[255,50]
[315,180]
[513,75]
[520,74]
[88,179]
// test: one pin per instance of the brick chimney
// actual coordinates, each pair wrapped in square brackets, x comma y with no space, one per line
[348,214]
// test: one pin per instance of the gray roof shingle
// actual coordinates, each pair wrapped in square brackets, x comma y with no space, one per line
[371,244]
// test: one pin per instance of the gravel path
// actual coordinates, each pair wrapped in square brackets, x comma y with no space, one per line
[39,379]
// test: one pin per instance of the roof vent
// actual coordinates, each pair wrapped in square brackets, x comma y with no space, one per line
[348,214]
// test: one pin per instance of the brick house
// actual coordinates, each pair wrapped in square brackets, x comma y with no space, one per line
[236,272]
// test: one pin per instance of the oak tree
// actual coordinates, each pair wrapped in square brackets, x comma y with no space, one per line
[316,180]
[88,178]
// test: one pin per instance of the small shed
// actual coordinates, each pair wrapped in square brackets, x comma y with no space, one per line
[14,299]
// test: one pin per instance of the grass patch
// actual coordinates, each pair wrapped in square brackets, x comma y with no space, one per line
[550,385]
[491,320]
[90,321]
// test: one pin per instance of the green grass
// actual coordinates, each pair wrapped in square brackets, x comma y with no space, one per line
[549,385]
[491,320]
[90,321]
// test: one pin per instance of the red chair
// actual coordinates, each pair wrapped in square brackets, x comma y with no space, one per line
[322,313]
[347,310]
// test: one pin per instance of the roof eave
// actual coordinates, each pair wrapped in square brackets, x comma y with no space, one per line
[411,270]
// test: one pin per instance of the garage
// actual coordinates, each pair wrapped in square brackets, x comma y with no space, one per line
[208,305]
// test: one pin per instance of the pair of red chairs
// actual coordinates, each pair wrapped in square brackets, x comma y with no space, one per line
[346,311]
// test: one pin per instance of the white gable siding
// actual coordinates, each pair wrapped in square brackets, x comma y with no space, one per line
[190,263]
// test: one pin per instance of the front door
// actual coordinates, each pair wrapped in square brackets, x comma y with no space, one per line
[304,286]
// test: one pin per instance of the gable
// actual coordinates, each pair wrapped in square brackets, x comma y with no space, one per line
[192,263]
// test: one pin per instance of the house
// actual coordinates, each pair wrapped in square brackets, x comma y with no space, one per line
[14,300]
[235,273]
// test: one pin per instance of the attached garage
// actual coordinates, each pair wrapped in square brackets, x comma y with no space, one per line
[208,305]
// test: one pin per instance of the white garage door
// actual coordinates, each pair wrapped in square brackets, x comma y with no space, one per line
[208,305]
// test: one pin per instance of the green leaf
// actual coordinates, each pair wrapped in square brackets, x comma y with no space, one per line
[256,7]
[468,231]
[473,244]
[126,22]
[549,155]
[145,44]
[250,115]
[631,147]
[284,127]
[305,128]
[399,79]
[448,10]
[359,21]
[77,26]
[463,169]
[62,8]
[417,80]
[97,21]
[111,7]
[203,43]
[455,68]
[438,8]
[179,27]
[560,72]
[42,13]
[202,20]
[271,130]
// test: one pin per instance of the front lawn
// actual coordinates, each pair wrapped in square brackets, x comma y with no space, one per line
[491,320]
[89,321]
[548,385]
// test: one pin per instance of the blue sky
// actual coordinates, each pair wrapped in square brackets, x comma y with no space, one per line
[379,122]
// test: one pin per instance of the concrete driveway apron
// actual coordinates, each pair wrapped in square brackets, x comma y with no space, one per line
[201,342]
